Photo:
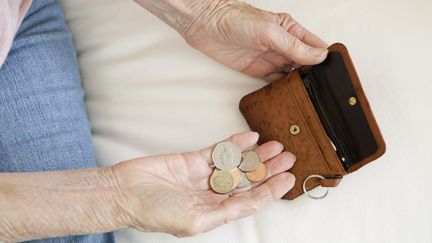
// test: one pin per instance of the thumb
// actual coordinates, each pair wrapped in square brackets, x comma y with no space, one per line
[281,41]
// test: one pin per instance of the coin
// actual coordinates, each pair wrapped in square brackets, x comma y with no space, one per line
[235,173]
[221,181]
[244,181]
[226,156]
[258,174]
[250,161]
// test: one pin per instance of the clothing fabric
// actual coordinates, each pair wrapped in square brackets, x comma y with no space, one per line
[43,120]
[12,13]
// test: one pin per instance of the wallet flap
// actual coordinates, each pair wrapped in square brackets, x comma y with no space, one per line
[364,138]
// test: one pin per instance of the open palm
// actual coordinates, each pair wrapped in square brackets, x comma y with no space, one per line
[259,43]
[170,193]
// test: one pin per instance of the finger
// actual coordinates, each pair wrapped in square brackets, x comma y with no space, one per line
[243,140]
[279,164]
[288,45]
[308,37]
[269,150]
[277,60]
[275,166]
[249,202]
[298,31]
[274,76]
[267,63]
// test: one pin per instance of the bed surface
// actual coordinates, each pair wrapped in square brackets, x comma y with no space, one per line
[149,93]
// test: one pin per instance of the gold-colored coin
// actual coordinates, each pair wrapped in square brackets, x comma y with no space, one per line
[221,181]
[235,173]
[250,161]
[244,181]
[258,174]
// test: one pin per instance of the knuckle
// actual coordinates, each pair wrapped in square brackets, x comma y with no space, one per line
[297,48]
[270,35]
[284,18]
[297,30]
[266,34]
[294,44]
[261,197]
[287,21]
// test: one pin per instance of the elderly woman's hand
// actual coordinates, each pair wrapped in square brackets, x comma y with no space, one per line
[170,193]
[163,193]
[258,43]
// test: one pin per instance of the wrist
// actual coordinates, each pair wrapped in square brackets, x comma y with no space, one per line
[179,14]
[127,201]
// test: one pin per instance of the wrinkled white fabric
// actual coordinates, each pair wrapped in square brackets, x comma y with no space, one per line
[149,93]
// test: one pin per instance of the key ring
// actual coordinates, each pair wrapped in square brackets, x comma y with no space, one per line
[307,192]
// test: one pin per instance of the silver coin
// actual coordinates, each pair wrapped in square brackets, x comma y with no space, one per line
[250,161]
[244,181]
[226,156]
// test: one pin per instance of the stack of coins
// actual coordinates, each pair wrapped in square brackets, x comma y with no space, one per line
[235,168]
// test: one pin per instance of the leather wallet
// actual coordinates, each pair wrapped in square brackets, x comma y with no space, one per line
[321,114]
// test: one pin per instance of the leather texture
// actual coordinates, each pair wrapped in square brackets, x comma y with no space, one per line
[274,110]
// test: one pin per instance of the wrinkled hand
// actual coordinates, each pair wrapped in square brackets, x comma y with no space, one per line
[256,42]
[170,193]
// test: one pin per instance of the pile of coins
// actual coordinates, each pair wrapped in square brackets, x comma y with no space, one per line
[235,168]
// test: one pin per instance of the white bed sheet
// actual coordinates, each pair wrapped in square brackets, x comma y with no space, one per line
[149,93]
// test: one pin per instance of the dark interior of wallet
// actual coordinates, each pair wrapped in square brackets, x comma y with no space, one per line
[332,93]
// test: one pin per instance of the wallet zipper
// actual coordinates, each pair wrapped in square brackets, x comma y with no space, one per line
[337,144]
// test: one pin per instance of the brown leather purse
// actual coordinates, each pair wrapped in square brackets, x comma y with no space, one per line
[321,114]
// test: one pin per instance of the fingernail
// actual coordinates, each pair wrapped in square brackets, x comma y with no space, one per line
[291,181]
[256,133]
[281,145]
[290,159]
[278,146]
[319,52]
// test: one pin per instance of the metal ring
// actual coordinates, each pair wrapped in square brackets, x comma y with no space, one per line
[307,192]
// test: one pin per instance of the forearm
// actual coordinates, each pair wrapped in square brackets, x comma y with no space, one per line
[47,204]
[179,14]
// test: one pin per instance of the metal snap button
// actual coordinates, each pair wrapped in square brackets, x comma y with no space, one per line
[294,129]
[352,100]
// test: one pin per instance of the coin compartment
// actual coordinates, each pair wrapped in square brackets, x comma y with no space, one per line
[331,91]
